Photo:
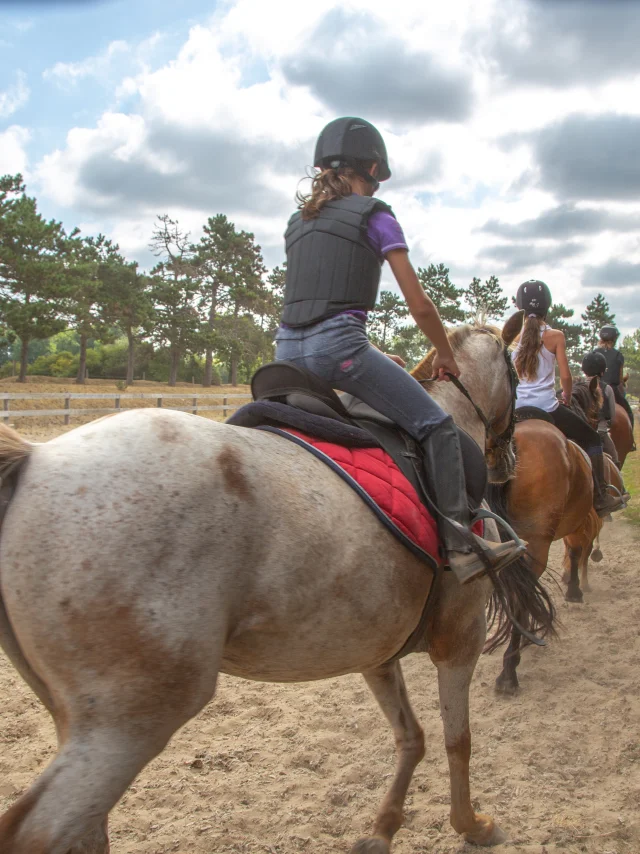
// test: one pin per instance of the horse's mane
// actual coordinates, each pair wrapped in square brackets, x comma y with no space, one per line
[457,338]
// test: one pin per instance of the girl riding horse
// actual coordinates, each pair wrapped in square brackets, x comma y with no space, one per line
[615,366]
[595,365]
[539,349]
[336,244]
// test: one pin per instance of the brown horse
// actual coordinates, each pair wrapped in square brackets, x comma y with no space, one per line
[621,433]
[579,547]
[550,498]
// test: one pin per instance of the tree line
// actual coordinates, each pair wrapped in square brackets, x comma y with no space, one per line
[71,303]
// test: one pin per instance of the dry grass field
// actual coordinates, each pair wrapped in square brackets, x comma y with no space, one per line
[39,429]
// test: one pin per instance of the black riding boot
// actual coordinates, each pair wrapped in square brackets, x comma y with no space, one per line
[468,555]
[603,502]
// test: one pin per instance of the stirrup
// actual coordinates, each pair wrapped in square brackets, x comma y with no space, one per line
[625,497]
[484,556]
[481,513]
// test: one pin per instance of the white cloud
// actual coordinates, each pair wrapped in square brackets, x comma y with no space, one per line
[120,58]
[67,74]
[15,96]
[13,155]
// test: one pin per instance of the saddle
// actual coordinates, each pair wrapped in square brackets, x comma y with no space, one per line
[293,393]
[530,413]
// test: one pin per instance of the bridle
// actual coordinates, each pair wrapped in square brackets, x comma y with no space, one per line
[502,440]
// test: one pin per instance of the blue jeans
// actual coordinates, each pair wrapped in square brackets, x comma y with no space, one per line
[338,351]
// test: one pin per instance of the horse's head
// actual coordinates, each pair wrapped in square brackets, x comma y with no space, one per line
[487,373]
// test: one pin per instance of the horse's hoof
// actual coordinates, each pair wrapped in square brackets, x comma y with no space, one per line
[586,588]
[575,596]
[373,845]
[596,555]
[488,834]
[507,687]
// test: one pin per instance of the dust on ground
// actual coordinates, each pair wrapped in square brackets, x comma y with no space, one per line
[289,769]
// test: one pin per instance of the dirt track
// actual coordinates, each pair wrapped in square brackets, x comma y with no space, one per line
[284,769]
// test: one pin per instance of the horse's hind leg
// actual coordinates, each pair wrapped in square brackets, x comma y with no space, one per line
[387,685]
[574,553]
[108,733]
[66,808]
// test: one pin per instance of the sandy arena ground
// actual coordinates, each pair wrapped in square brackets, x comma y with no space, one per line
[288,769]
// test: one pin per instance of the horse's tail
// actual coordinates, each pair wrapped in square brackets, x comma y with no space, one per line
[528,600]
[14,450]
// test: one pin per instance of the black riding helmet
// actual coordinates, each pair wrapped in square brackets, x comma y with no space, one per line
[594,365]
[534,297]
[351,141]
[609,333]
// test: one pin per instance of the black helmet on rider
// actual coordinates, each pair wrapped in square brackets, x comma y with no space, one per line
[352,142]
[594,365]
[609,333]
[534,297]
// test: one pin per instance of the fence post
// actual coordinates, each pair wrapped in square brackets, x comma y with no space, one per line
[66,406]
[159,402]
[117,401]
[194,403]
[224,403]
[6,409]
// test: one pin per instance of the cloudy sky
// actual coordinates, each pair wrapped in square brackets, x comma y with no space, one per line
[513,126]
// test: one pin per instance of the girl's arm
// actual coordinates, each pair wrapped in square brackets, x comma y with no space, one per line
[423,312]
[563,364]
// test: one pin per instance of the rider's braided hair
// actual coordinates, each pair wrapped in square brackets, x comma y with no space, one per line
[526,360]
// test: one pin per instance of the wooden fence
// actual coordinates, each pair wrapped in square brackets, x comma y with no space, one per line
[98,411]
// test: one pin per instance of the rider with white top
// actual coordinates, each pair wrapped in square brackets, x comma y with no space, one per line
[539,349]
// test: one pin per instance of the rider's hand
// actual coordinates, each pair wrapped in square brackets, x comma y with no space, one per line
[445,364]
[396,359]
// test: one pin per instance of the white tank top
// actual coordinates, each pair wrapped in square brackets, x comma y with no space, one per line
[540,392]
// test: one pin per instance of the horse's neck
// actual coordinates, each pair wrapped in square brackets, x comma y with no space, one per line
[477,380]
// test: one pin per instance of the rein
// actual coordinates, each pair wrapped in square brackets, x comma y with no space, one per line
[502,440]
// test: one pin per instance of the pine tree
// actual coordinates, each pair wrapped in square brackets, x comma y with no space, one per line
[410,344]
[596,315]
[173,292]
[217,259]
[445,296]
[244,298]
[486,301]
[32,270]
[85,300]
[127,303]
[386,316]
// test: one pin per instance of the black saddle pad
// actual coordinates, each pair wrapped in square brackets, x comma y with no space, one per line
[528,413]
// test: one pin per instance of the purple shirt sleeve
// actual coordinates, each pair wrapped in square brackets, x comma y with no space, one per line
[384,233]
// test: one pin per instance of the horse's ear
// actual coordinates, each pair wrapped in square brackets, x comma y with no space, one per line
[593,385]
[513,327]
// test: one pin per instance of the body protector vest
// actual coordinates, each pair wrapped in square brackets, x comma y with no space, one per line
[614,362]
[331,266]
